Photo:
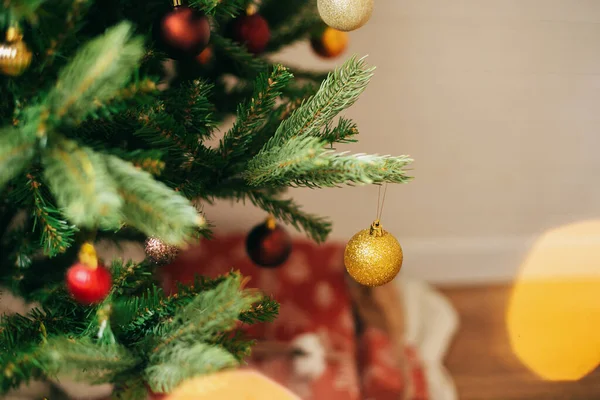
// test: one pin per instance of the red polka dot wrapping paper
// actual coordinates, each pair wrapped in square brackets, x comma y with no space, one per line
[311,289]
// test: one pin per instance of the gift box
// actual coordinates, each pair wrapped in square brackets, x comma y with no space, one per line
[333,339]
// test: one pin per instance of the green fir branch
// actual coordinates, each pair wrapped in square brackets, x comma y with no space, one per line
[343,132]
[56,233]
[17,250]
[251,116]
[305,162]
[150,161]
[129,277]
[266,310]
[136,93]
[208,314]
[145,201]
[248,64]
[297,27]
[82,186]
[221,9]
[70,25]
[338,92]
[189,105]
[17,149]
[22,339]
[280,163]
[358,169]
[20,10]
[132,389]
[135,315]
[272,122]
[279,12]
[95,75]
[85,360]
[19,367]
[318,228]
[152,311]
[236,343]
[159,128]
[184,361]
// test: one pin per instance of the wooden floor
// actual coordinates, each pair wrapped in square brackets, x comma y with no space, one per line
[482,363]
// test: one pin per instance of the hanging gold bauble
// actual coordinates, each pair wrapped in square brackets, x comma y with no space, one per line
[345,15]
[373,257]
[15,57]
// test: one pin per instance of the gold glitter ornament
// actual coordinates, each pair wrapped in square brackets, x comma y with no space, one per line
[345,15]
[159,252]
[15,57]
[373,257]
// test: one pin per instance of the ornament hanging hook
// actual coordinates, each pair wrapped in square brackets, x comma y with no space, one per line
[381,203]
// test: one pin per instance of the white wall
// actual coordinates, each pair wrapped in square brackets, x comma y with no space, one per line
[499,103]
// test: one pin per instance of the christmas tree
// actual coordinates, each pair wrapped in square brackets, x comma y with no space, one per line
[94,144]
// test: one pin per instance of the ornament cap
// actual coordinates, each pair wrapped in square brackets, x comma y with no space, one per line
[177,3]
[251,9]
[376,229]
[88,256]
[13,34]
[271,222]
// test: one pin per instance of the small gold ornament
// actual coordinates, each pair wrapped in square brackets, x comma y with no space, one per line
[345,15]
[15,57]
[373,257]
[159,252]
[330,43]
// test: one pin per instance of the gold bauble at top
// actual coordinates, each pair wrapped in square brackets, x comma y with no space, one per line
[345,15]
[15,57]
[373,257]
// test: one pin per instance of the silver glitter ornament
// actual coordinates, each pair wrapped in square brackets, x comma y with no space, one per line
[345,15]
[159,252]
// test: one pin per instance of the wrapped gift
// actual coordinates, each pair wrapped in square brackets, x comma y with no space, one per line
[332,340]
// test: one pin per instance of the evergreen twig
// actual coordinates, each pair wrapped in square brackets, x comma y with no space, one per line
[56,233]
[318,228]
[238,54]
[338,92]
[252,114]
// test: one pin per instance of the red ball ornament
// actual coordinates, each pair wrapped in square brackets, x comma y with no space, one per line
[88,285]
[183,32]
[268,244]
[253,31]
[205,57]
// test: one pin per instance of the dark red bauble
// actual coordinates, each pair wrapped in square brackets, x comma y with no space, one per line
[88,285]
[268,246]
[183,32]
[253,31]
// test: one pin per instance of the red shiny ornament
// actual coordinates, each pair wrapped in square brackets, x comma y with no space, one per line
[268,245]
[253,31]
[183,32]
[205,57]
[88,285]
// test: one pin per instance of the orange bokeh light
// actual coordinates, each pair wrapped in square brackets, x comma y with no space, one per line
[553,316]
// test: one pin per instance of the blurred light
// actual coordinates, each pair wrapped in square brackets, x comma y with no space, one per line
[553,315]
